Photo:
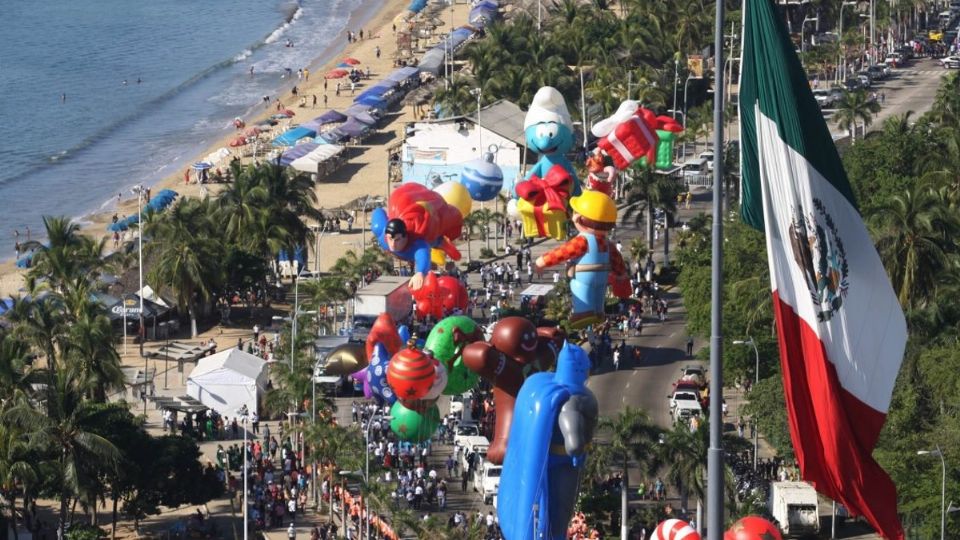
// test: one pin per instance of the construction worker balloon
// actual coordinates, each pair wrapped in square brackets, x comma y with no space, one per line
[597,261]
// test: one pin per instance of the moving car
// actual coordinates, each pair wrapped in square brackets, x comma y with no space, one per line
[825,98]
[486,480]
[950,62]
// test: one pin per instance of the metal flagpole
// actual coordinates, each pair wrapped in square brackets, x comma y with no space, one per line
[715,452]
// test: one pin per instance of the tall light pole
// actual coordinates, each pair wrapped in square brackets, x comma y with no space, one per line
[756,379]
[803,43]
[715,468]
[872,33]
[676,82]
[140,191]
[843,57]
[242,412]
[943,488]
[478,93]
[366,467]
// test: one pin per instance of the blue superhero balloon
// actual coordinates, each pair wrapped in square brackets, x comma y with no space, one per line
[553,422]
[404,333]
[549,132]
[377,376]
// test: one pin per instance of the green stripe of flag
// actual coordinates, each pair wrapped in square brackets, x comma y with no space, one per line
[771,75]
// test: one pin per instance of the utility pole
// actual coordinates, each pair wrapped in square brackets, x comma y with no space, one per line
[715,490]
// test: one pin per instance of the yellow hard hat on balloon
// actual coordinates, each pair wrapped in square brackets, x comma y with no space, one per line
[596,206]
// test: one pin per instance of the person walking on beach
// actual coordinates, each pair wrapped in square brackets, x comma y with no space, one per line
[377,51]
[361,33]
[314,101]
[324,101]
[353,87]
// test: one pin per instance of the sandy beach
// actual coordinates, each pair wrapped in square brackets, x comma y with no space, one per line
[365,171]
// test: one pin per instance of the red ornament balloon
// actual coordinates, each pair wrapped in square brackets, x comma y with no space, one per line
[674,529]
[410,373]
[454,294]
[753,528]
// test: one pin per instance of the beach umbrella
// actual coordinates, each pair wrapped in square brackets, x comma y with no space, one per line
[336,74]
[351,61]
[117,227]
[201,166]
[239,141]
[288,112]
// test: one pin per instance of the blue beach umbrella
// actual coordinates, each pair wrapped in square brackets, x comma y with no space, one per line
[117,227]
[201,166]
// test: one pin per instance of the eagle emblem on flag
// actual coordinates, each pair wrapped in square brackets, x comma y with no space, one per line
[818,251]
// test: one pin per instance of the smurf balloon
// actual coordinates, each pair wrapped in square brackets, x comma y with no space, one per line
[482,178]
[377,376]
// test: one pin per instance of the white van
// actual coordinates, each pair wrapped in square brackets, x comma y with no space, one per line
[478,444]
[486,480]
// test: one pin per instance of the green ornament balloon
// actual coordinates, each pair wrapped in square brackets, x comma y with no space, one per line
[411,426]
[445,342]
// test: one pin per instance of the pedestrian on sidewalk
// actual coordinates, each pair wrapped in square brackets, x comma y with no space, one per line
[291,532]
[689,345]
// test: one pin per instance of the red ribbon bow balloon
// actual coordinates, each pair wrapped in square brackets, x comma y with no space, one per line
[554,190]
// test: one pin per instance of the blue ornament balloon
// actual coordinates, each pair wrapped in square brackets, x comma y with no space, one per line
[377,376]
[482,178]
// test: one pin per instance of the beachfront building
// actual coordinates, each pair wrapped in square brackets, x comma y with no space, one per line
[434,151]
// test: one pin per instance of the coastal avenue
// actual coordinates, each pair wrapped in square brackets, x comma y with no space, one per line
[909,89]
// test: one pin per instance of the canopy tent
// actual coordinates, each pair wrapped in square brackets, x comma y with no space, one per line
[311,162]
[378,90]
[334,136]
[228,380]
[432,61]
[297,151]
[481,16]
[329,117]
[149,294]
[358,108]
[417,6]
[215,157]
[365,118]
[372,101]
[6,305]
[130,304]
[403,74]
[290,137]
[161,200]
[353,128]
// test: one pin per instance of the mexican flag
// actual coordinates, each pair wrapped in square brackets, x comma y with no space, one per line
[841,331]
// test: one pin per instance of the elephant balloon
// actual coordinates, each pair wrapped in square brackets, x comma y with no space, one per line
[516,349]
[554,420]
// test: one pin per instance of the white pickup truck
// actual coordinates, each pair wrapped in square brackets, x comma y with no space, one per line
[486,481]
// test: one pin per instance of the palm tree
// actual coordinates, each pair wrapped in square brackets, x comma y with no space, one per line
[911,231]
[456,100]
[66,256]
[630,436]
[62,426]
[856,108]
[647,191]
[484,217]
[471,226]
[325,292]
[685,452]
[186,250]
[241,206]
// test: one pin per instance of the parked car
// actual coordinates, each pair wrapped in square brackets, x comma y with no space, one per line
[825,98]
[876,73]
[707,155]
[950,62]
[896,59]
[853,84]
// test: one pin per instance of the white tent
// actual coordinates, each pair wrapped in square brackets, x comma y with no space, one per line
[149,294]
[228,380]
[311,162]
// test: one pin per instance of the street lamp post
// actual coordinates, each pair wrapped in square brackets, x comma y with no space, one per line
[366,468]
[843,58]
[756,379]
[803,43]
[943,487]
[242,412]
[478,93]
[139,190]
[676,82]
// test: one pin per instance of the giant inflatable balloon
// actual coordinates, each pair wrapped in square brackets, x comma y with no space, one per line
[482,178]
[416,220]
[411,374]
[376,376]
[597,261]
[516,349]
[752,528]
[345,359]
[631,134]
[440,296]
[549,132]
[412,426]
[554,420]
[674,529]
[457,195]
[601,176]
[445,342]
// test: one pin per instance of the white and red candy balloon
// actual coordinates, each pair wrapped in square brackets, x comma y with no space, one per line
[674,529]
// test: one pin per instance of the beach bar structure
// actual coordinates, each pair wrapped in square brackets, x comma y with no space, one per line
[438,149]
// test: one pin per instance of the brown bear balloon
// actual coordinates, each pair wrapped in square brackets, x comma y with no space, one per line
[516,349]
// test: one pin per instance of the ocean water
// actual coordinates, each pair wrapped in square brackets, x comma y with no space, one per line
[192,59]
